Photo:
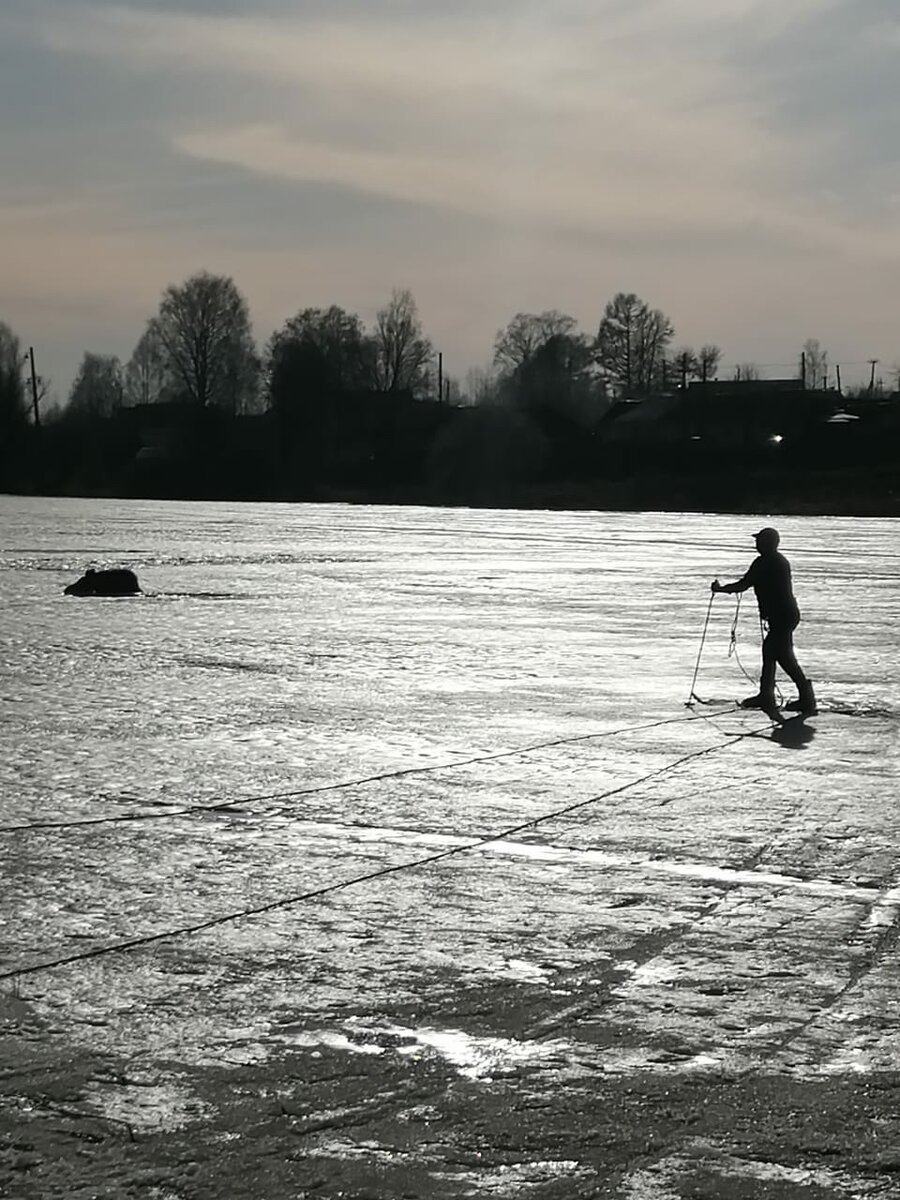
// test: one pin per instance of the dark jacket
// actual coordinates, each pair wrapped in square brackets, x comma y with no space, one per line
[770,577]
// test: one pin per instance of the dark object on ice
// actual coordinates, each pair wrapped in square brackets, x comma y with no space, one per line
[116,582]
[770,577]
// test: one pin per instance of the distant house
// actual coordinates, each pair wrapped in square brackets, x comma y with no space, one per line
[166,432]
[756,412]
[722,415]
[873,412]
[657,420]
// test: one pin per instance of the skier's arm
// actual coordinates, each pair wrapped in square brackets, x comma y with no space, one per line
[739,585]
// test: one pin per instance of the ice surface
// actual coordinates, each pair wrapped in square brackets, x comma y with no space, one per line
[367,688]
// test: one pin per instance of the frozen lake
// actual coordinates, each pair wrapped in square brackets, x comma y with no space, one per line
[306,696]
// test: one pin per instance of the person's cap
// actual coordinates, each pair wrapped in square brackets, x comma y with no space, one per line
[768,534]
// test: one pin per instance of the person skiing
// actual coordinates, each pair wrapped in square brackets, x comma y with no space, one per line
[770,577]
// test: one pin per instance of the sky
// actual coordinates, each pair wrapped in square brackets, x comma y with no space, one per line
[734,162]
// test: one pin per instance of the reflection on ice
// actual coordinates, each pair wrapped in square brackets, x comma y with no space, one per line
[852,1059]
[885,909]
[480,1057]
[473,1057]
[522,971]
[486,1058]
[308,1039]
[337,1147]
[653,973]
[517,1179]
[603,859]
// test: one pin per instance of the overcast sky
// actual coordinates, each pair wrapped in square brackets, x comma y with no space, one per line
[734,162]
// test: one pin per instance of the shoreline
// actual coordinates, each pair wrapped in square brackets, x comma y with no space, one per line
[839,492]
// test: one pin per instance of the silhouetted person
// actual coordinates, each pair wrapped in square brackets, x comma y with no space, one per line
[770,577]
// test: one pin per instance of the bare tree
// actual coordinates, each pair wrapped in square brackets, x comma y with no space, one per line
[526,333]
[13,404]
[97,390]
[685,365]
[631,344]
[702,364]
[402,352]
[813,364]
[204,328]
[147,379]
[745,372]
[708,359]
[480,386]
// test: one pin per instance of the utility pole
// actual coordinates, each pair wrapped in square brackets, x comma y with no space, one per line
[837,370]
[873,363]
[34,389]
[440,377]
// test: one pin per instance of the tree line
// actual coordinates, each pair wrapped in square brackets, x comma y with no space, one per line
[199,349]
[342,404]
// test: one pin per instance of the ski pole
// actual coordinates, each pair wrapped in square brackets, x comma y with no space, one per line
[693,696]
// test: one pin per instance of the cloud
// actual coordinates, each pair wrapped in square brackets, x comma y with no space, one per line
[505,154]
[603,115]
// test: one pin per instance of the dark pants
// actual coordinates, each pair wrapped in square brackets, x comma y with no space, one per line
[778,650]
